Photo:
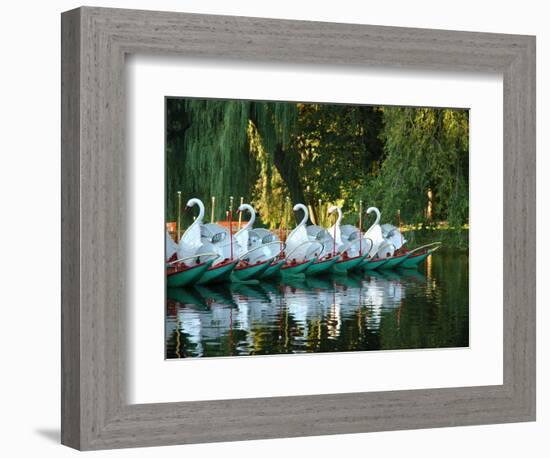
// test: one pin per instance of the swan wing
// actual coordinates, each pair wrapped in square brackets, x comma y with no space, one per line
[336,232]
[387,229]
[375,235]
[242,238]
[296,237]
[396,239]
[190,241]
[171,246]
[349,232]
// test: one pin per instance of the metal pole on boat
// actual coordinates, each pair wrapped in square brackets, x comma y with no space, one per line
[231,226]
[179,218]
[213,206]
[320,212]
[281,213]
[334,238]
[360,227]
[240,215]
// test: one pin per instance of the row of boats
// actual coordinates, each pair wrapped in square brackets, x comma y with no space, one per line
[210,253]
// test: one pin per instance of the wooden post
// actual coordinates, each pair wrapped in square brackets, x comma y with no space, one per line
[240,215]
[213,200]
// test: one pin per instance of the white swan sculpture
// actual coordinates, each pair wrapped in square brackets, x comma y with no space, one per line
[299,247]
[393,235]
[381,247]
[347,238]
[256,244]
[205,238]
[315,233]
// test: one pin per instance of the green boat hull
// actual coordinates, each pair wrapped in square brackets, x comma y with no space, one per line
[395,261]
[187,277]
[413,261]
[273,270]
[249,272]
[372,265]
[217,274]
[298,268]
[321,267]
[342,266]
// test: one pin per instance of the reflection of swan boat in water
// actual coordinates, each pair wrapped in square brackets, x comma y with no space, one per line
[240,316]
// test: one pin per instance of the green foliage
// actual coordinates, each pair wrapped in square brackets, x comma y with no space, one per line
[337,145]
[425,149]
[209,152]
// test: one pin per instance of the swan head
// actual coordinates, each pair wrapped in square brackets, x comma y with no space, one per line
[372,209]
[192,202]
[244,207]
[332,209]
[305,210]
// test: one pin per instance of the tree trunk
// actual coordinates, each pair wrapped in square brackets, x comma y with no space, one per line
[287,165]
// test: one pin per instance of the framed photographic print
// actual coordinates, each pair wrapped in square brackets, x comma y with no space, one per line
[285,228]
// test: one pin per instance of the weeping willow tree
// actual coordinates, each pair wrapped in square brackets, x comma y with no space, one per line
[206,151]
[213,149]
[424,169]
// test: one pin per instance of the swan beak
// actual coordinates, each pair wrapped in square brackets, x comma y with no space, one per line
[187,208]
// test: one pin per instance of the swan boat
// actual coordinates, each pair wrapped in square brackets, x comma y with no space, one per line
[348,243]
[258,250]
[416,256]
[300,252]
[381,248]
[388,251]
[325,257]
[183,271]
[207,241]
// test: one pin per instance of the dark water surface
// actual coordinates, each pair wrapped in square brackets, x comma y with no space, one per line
[422,308]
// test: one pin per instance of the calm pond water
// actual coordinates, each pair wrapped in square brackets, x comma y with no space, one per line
[386,310]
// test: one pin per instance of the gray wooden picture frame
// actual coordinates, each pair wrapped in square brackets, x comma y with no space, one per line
[95,41]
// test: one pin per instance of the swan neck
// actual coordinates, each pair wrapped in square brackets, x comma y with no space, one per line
[306,215]
[199,218]
[377,212]
[339,219]
[252,212]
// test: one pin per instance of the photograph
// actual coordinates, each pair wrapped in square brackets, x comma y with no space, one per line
[299,227]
